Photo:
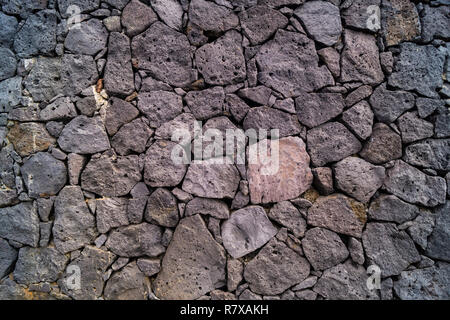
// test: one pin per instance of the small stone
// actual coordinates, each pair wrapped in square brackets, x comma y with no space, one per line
[169,11]
[413,128]
[275,258]
[9,64]
[249,295]
[357,95]
[136,17]
[132,137]
[412,185]
[426,106]
[222,61]
[211,18]
[323,180]
[45,206]
[212,207]
[111,213]
[111,176]
[323,248]
[357,14]
[88,37]
[236,106]
[83,5]
[221,295]
[184,122]
[119,77]
[439,240]
[384,145]
[399,21]
[332,60]
[331,142]
[259,94]
[84,135]
[127,284]
[387,61]
[287,215]
[10,93]
[206,103]
[390,249]
[38,265]
[322,20]
[136,209]
[8,30]
[441,126]
[112,24]
[359,119]
[136,240]
[360,59]
[20,223]
[8,256]
[421,229]
[162,208]
[193,265]
[313,109]
[60,109]
[149,266]
[160,106]
[338,213]
[356,250]
[286,105]
[160,170]
[235,271]
[291,177]
[118,4]
[358,178]
[75,164]
[259,23]
[29,138]
[265,118]
[118,113]
[390,208]
[434,23]
[429,153]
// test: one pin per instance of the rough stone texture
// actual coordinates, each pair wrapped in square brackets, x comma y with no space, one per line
[20,223]
[390,208]
[9,64]
[313,109]
[357,14]
[118,113]
[206,103]
[61,108]
[399,21]
[132,137]
[323,180]
[160,106]
[194,263]
[8,31]
[338,213]
[211,18]
[323,248]
[89,37]
[169,11]
[332,60]
[285,178]
[212,207]
[127,284]
[8,256]
[288,216]
[235,271]
[111,213]
[388,105]
[438,242]
[413,128]
[359,119]
[331,142]
[414,186]
[356,250]
[434,23]
[275,268]
[29,138]
[162,208]
[430,153]
[358,178]
[387,247]
[383,145]
[247,230]
[136,17]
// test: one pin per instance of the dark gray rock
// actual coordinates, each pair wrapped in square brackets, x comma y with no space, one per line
[390,249]
[184,122]
[247,230]
[136,17]
[127,284]
[83,5]
[111,213]
[399,21]
[39,265]
[88,37]
[111,176]
[20,223]
[358,178]
[414,186]
[43,175]
[60,109]
[331,58]
[37,35]
[212,207]
[275,269]
[359,119]
[193,265]
[418,68]
[421,228]
[356,250]
[160,170]
[357,95]
[206,103]
[323,248]
[136,240]
[236,106]
[269,118]
[434,22]
[430,153]
[9,29]
[413,128]
[9,64]
[10,93]
[160,106]
[357,14]
[77,73]
[323,180]
[331,142]
[169,11]
[442,123]
[162,208]
[289,64]
[384,145]
[165,53]
[388,105]
[288,216]
[321,20]
[338,213]
[8,256]
[211,18]
[132,137]
[235,270]
[118,113]
[84,135]
[439,240]
[118,4]
[149,266]
[222,61]
[44,80]
[313,109]
[390,208]
[258,94]
[426,106]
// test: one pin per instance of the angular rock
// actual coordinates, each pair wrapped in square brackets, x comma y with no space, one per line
[149,266]
[88,37]
[259,94]
[338,213]
[127,284]
[136,240]
[323,180]
[421,228]
[439,240]
[426,106]
[184,122]
[119,77]
[162,208]
[323,248]
[118,4]
[357,95]
[434,23]
[275,269]
[356,250]
[289,64]
[389,105]
[160,170]
[390,249]
[43,175]
[399,21]
[111,213]
[390,208]
[10,93]
[165,53]
[288,216]
[111,176]
[8,256]
[210,179]
[321,20]
[8,30]
[265,118]
[84,135]
[75,164]
[259,23]
[441,126]
[212,207]
[132,137]
[39,265]
[236,106]
[211,18]
[283,177]
[136,17]
[206,103]
[360,59]
[247,230]
[83,5]
[9,64]
[29,137]
[358,178]
[61,108]
[77,73]
[118,113]
[429,153]
[20,223]
[222,62]
[331,142]
[313,109]
[384,145]
[235,270]
[414,186]
[160,106]
[359,119]
[332,60]
[169,11]
[357,14]
[193,265]
[418,68]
